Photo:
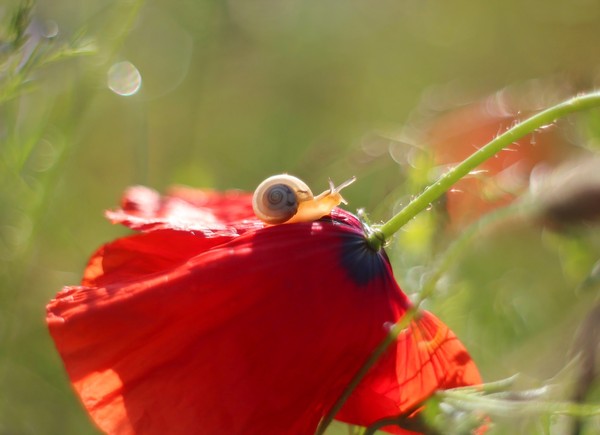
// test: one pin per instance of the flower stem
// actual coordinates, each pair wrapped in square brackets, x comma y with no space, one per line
[391,337]
[377,236]
[443,184]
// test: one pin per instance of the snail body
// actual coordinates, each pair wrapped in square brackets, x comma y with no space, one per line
[287,199]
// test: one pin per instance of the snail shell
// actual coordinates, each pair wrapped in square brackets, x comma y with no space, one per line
[286,199]
[276,199]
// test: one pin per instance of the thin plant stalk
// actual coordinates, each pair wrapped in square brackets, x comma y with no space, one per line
[579,103]
[379,235]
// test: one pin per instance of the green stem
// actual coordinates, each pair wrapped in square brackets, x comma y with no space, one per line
[395,330]
[443,184]
[454,251]
[379,235]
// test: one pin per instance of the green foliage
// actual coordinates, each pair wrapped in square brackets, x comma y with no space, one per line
[22,54]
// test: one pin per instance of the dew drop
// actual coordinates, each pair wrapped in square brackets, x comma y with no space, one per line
[124,79]
[43,157]
[50,29]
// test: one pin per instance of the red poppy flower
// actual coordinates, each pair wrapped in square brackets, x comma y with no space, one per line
[209,321]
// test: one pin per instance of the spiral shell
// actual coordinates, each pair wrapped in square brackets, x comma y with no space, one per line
[276,199]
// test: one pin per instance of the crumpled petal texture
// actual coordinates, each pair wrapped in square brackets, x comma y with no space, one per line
[211,322]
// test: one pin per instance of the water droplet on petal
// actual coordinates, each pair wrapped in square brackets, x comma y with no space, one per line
[124,79]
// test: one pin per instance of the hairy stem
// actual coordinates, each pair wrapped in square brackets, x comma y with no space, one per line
[380,234]
[445,182]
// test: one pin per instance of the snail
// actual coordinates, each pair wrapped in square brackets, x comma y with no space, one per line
[287,199]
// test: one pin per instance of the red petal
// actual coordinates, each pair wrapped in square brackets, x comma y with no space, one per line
[426,357]
[158,251]
[208,212]
[258,335]
[178,333]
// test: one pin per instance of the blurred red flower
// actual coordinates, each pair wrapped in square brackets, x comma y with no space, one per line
[209,321]
[455,135]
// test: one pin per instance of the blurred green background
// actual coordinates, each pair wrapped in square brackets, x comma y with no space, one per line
[234,91]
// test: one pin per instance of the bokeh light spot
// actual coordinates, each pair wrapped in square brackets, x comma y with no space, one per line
[124,79]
